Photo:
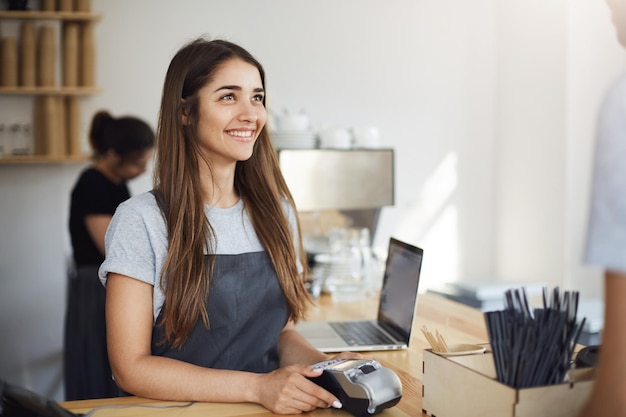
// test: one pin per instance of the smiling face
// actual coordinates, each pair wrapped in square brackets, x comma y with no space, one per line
[618,15]
[231,113]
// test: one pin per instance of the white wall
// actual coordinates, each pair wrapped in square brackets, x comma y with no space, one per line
[555,62]
[489,104]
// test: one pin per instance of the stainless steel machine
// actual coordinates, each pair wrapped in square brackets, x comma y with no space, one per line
[358,183]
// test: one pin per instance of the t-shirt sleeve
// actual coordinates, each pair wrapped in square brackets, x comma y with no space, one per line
[129,247]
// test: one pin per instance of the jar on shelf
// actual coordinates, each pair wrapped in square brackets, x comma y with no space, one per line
[46,57]
[9,62]
[28,54]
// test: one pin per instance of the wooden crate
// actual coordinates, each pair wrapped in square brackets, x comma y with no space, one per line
[466,386]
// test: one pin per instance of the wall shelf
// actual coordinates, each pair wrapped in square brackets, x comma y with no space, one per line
[49,91]
[39,15]
[42,159]
[56,111]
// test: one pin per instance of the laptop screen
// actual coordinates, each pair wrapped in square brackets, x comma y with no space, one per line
[399,291]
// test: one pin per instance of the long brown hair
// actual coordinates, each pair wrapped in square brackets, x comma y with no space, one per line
[258,181]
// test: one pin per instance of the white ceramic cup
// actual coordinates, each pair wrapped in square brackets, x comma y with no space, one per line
[337,138]
[366,137]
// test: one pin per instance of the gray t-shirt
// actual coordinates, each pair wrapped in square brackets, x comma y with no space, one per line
[606,237]
[136,240]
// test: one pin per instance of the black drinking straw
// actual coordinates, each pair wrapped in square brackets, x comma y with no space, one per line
[534,347]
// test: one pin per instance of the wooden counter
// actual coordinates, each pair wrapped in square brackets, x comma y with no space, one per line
[459,324]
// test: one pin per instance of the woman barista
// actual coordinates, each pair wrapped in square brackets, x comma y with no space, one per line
[121,149]
[204,275]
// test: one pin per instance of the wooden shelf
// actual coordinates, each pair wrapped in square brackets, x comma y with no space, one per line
[56,100]
[39,15]
[42,159]
[49,91]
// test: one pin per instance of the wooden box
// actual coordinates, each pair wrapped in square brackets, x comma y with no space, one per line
[466,386]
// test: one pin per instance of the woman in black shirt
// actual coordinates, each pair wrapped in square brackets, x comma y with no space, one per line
[122,148]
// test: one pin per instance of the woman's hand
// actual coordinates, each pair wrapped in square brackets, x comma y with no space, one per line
[288,391]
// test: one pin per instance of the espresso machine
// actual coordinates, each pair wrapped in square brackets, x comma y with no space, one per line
[351,185]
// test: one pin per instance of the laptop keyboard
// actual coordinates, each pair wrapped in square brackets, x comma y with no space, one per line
[360,333]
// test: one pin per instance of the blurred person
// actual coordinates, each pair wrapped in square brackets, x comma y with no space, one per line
[606,240]
[204,274]
[121,148]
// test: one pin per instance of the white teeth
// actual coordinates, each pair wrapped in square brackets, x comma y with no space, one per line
[245,134]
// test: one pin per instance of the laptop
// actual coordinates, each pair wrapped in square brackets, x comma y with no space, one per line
[398,301]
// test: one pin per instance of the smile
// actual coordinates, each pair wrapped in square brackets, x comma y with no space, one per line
[241,134]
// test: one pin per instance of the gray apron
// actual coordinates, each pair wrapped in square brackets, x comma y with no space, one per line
[247,311]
